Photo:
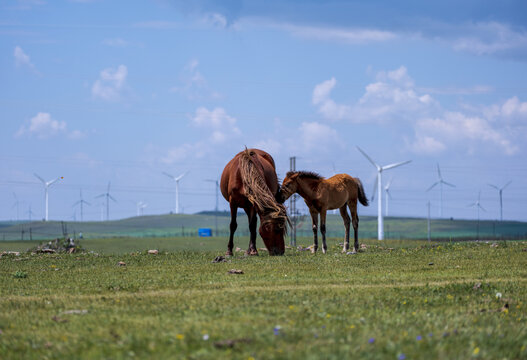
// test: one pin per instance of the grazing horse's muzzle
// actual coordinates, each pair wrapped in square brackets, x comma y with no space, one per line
[276,251]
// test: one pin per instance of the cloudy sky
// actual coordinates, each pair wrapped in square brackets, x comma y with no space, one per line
[115,91]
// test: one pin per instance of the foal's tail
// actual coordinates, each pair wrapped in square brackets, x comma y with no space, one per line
[362,195]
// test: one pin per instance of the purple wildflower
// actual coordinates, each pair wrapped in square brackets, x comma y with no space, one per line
[401,357]
[371,341]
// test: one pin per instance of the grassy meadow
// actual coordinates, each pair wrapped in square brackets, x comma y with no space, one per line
[394,300]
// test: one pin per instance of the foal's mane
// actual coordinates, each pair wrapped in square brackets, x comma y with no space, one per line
[309,175]
[258,192]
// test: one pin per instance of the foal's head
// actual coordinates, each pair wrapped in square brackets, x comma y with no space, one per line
[291,183]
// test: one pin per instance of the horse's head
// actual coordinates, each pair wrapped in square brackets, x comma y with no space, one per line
[273,232]
[289,186]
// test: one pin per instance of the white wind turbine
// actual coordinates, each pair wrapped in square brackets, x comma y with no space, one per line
[108,197]
[478,206]
[140,208]
[388,195]
[380,169]
[16,204]
[500,190]
[47,184]
[440,181]
[81,202]
[176,179]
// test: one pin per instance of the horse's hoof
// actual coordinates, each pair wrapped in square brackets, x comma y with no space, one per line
[252,252]
[228,253]
[344,250]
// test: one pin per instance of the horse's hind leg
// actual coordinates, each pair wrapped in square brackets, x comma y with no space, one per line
[355,222]
[251,216]
[347,221]
[233,226]
[314,220]
[323,230]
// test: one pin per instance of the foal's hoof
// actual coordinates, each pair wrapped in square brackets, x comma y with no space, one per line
[228,253]
[344,251]
[324,250]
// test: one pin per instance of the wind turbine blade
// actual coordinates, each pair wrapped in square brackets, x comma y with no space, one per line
[481,207]
[99,196]
[507,184]
[449,184]
[78,202]
[389,184]
[433,185]
[181,176]
[369,158]
[52,181]
[391,166]
[473,204]
[108,191]
[111,197]
[170,176]
[87,203]
[439,172]
[389,194]
[44,181]
[494,186]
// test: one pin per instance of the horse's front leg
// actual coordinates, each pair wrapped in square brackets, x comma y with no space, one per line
[323,230]
[346,218]
[233,226]
[251,216]
[314,221]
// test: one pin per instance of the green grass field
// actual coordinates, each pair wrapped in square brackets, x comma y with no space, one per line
[401,300]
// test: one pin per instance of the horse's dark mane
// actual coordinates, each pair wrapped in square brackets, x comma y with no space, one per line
[306,175]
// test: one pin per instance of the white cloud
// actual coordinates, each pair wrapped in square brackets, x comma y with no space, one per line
[326,106]
[488,38]
[218,131]
[110,83]
[351,36]
[215,20]
[221,126]
[392,97]
[456,127]
[194,85]
[43,126]
[317,136]
[22,59]
[116,42]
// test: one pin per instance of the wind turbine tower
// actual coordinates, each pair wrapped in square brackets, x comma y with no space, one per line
[380,169]
[500,190]
[108,197]
[478,206]
[440,181]
[140,208]
[47,184]
[81,202]
[176,179]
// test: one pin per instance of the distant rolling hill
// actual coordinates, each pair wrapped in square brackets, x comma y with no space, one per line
[187,225]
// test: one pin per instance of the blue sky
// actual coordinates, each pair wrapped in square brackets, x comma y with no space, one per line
[112,91]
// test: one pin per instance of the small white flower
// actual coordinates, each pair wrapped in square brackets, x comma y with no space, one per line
[206,337]
[498,295]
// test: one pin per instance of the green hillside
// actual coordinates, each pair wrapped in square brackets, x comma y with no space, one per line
[187,225]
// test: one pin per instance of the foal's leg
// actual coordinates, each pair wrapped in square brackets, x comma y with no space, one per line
[233,225]
[355,222]
[251,216]
[346,218]
[323,230]
[314,220]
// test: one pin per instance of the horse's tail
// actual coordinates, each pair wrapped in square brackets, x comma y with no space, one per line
[362,195]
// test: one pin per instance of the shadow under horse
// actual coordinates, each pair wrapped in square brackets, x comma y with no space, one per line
[338,192]
[249,181]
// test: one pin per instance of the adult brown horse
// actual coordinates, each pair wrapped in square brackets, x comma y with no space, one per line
[249,182]
[321,195]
